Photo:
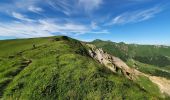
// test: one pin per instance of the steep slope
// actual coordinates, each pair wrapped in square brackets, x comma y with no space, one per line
[113,63]
[116,65]
[61,68]
[149,59]
[157,55]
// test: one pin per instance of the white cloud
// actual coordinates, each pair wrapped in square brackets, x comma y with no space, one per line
[90,5]
[18,5]
[20,30]
[67,27]
[94,25]
[135,16]
[21,17]
[69,7]
[40,28]
[35,9]
[64,6]
[101,32]
[45,27]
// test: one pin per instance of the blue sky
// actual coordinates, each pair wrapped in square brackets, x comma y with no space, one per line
[130,21]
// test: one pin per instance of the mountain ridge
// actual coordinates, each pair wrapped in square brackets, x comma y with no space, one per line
[159,45]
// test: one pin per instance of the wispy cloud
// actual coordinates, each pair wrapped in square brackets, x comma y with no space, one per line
[69,7]
[20,30]
[20,6]
[94,25]
[135,16]
[64,6]
[21,17]
[40,28]
[90,5]
[24,26]
[35,9]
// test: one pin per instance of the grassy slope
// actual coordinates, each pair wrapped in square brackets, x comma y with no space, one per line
[150,54]
[145,58]
[59,67]
[149,69]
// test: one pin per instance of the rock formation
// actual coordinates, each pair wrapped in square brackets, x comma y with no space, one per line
[116,65]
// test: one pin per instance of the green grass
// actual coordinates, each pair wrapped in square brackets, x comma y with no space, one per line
[149,69]
[149,54]
[9,47]
[167,68]
[60,68]
[147,85]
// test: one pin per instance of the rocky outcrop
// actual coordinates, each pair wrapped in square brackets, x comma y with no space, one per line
[115,64]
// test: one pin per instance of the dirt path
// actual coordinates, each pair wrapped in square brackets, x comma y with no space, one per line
[23,64]
[162,83]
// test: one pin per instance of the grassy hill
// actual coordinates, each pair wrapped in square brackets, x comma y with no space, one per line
[157,55]
[150,59]
[60,68]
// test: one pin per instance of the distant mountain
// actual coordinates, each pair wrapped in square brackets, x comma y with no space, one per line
[63,68]
[157,55]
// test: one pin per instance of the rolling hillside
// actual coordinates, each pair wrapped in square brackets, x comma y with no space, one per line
[150,59]
[157,55]
[61,68]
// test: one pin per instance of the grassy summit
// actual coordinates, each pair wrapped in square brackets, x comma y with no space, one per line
[60,68]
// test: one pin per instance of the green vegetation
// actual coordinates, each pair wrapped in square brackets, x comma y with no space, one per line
[60,68]
[149,69]
[150,59]
[9,47]
[167,68]
[147,85]
[161,61]
[118,50]
[149,54]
